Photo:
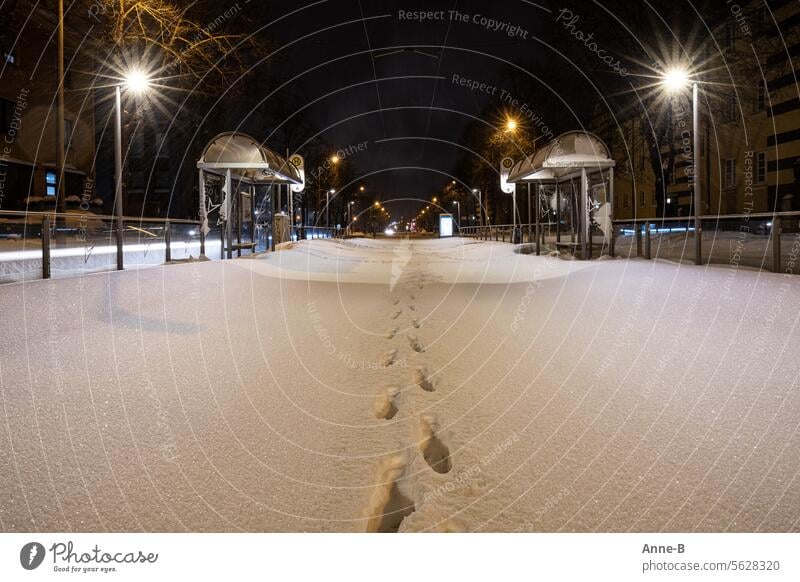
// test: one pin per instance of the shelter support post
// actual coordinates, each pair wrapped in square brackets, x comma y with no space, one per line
[201,189]
[167,242]
[239,220]
[228,248]
[584,213]
[253,216]
[536,214]
[529,212]
[290,195]
[558,212]
[613,233]
[514,212]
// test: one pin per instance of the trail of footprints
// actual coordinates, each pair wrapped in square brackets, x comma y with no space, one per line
[392,499]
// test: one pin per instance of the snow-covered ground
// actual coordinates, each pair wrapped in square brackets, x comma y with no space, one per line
[425,385]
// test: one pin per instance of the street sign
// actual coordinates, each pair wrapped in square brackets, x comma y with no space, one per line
[505,169]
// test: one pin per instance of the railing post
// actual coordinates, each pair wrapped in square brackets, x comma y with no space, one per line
[648,256]
[202,240]
[45,247]
[638,239]
[776,244]
[222,242]
[167,242]
[698,241]
[612,251]
[120,243]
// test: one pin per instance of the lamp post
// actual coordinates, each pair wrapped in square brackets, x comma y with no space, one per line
[480,205]
[675,80]
[328,207]
[458,205]
[137,83]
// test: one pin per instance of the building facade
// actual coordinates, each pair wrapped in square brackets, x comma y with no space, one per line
[749,125]
[28,114]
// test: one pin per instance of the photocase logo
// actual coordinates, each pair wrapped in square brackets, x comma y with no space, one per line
[31,555]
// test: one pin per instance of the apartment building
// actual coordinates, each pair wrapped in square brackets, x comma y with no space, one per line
[749,125]
[28,89]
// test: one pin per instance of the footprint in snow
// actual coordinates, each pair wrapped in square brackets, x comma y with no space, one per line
[389,358]
[433,448]
[391,500]
[413,341]
[386,405]
[421,379]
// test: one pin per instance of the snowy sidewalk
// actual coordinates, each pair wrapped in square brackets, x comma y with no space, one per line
[426,385]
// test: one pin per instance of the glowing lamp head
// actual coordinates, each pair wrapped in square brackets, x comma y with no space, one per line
[335,159]
[137,82]
[675,79]
[511,124]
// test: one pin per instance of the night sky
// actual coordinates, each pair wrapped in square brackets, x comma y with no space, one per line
[338,48]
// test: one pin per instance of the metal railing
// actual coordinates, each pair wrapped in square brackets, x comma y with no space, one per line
[763,240]
[526,233]
[69,239]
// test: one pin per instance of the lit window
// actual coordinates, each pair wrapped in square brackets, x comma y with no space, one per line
[50,183]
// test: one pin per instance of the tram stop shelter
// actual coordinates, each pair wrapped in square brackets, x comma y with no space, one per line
[242,163]
[573,178]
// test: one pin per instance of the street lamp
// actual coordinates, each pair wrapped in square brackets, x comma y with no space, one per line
[458,204]
[675,80]
[480,205]
[328,206]
[511,124]
[137,82]
[335,159]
